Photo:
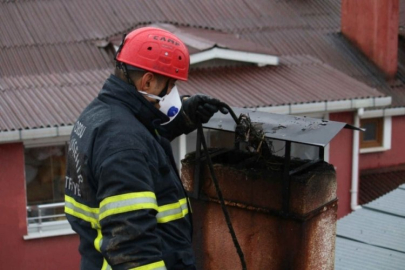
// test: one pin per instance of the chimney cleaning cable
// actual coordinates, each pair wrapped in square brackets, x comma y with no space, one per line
[218,190]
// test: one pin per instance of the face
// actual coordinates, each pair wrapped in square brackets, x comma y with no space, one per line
[152,85]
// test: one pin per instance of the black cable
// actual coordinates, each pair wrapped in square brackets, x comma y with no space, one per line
[219,193]
[235,118]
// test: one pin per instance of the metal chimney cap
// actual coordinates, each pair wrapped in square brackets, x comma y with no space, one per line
[297,129]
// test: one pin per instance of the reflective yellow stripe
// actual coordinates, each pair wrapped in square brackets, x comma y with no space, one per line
[106,266]
[81,211]
[153,266]
[127,202]
[172,211]
[98,240]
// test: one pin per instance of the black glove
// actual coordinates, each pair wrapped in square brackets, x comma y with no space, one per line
[202,107]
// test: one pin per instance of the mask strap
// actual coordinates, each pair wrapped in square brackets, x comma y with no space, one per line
[150,95]
[164,91]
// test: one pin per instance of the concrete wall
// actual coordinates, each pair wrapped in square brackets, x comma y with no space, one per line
[391,157]
[58,252]
[271,238]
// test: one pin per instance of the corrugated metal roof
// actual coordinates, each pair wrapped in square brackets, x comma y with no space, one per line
[393,204]
[331,48]
[57,99]
[44,22]
[375,234]
[376,182]
[52,58]
[306,81]
[358,256]
[374,228]
[50,100]
[48,40]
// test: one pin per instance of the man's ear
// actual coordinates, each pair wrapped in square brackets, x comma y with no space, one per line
[145,81]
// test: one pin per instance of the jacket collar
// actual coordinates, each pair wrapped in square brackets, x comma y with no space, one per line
[118,91]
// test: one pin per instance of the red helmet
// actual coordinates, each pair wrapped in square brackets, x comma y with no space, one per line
[156,50]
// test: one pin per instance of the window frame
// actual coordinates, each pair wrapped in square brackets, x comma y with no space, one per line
[46,228]
[383,140]
[379,124]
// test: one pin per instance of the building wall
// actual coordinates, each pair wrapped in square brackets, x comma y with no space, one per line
[392,157]
[58,252]
[340,156]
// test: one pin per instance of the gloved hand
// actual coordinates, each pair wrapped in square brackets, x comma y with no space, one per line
[202,107]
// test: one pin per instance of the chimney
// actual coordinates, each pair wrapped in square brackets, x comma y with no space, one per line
[283,209]
[372,25]
[270,238]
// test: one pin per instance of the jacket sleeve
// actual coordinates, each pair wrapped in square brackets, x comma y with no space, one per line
[127,215]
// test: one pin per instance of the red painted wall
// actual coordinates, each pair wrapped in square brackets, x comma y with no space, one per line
[372,25]
[60,252]
[340,155]
[391,157]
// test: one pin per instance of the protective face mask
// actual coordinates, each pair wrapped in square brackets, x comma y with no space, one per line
[170,104]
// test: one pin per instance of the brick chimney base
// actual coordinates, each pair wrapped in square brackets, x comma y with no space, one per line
[271,238]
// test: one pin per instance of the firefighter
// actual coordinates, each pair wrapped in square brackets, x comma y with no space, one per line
[123,194]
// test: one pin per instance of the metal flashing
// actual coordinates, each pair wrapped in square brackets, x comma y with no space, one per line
[219,53]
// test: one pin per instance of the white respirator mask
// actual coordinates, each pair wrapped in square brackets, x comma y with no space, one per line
[170,104]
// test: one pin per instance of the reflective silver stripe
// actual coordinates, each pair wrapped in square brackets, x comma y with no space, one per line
[81,213]
[127,202]
[79,210]
[172,211]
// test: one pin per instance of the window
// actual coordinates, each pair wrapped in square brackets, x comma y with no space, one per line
[45,169]
[373,134]
[377,134]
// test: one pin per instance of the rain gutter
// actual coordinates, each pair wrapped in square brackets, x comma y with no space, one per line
[331,106]
[324,106]
[219,53]
[34,134]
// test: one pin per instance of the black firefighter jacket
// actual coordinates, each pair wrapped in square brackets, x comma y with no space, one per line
[123,194]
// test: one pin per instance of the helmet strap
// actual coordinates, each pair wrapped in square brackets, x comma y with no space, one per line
[121,65]
[125,70]
[120,47]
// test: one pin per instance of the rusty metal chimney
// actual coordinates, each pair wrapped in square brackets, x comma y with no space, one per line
[283,210]
[373,25]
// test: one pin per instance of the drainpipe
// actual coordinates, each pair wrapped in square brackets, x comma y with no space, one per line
[355,162]
[182,149]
